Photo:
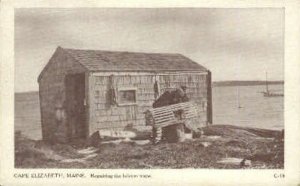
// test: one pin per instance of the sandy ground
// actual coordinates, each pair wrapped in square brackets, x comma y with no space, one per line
[221,147]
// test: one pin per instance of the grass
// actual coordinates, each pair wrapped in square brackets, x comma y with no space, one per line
[238,142]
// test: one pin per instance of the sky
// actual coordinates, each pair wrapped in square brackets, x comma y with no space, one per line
[235,44]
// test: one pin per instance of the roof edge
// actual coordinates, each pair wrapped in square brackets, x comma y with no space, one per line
[195,62]
[125,51]
[48,64]
[58,49]
[154,71]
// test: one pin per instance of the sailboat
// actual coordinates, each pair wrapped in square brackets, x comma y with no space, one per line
[268,93]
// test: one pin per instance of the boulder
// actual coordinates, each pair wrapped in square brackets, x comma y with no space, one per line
[94,140]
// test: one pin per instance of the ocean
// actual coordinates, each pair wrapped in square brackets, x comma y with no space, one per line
[256,110]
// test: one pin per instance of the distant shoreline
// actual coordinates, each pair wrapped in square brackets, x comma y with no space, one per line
[244,83]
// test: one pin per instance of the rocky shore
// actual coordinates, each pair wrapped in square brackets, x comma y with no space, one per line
[221,147]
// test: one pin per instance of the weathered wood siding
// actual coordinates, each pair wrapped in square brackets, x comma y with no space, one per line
[103,115]
[52,92]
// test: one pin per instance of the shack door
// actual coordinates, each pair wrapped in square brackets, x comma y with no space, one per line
[75,106]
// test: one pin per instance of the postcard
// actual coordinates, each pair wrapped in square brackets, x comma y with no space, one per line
[150,92]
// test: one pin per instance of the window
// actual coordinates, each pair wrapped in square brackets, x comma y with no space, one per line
[126,96]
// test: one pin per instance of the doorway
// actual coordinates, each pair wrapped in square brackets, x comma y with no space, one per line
[75,107]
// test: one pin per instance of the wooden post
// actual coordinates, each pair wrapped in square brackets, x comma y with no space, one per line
[209,99]
[87,104]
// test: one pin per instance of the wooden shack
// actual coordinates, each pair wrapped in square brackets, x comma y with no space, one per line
[83,91]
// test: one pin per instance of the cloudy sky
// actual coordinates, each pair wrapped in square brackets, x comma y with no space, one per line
[235,44]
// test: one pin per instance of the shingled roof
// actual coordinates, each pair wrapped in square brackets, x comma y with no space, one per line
[97,60]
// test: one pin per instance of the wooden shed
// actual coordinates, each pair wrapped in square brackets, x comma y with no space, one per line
[82,91]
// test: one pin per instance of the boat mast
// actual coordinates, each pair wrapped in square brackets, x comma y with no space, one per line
[267,88]
[238,92]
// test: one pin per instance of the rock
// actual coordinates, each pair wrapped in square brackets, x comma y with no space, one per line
[245,163]
[112,142]
[197,134]
[142,142]
[263,138]
[188,136]
[205,144]
[117,134]
[236,161]
[211,138]
[88,150]
[94,140]
[77,160]
[232,161]
[93,155]
[127,140]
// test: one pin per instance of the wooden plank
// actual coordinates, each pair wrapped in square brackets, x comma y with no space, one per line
[191,111]
[162,108]
[160,118]
[167,124]
[165,121]
[172,113]
[166,111]
[170,109]
[188,108]
[165,117]
[163,114]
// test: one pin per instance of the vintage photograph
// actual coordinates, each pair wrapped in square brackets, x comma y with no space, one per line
[149,88]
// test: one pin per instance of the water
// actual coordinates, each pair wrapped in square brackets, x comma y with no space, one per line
[27,115]
[257,110]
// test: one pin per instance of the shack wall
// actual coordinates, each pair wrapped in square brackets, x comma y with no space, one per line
[52,93]
[103,115]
